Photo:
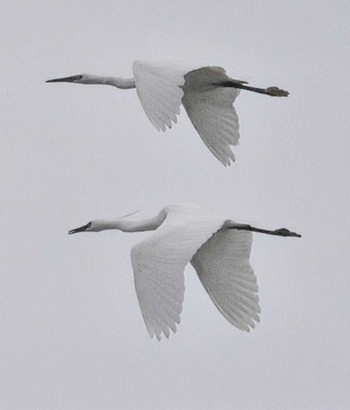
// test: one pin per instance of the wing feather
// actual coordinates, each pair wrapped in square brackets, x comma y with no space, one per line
[223,267]
[211,110]
[159,89]
[159,262]
[162,87]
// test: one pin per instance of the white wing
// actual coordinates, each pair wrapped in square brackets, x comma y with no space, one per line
[222,264]
[211,110]
[159,262]
[159,89]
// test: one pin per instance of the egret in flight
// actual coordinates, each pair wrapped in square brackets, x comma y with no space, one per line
[207,94]
[217,248]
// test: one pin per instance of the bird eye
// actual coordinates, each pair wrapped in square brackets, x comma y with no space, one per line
[89,225]
[79,77]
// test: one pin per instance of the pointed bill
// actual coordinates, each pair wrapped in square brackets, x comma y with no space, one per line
[81,229]
[65,79]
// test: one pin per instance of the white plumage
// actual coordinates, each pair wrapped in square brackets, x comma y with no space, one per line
[206,93]
[218,249]
[160,89]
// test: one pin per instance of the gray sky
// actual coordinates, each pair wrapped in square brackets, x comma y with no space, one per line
[72,336]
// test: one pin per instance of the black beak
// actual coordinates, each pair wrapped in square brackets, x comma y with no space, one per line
[286,232]
[65,79]
[81,229]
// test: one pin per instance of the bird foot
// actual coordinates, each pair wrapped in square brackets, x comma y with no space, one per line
[276,92]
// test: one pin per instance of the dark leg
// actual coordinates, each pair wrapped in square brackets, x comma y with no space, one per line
[277,232]
[272,91]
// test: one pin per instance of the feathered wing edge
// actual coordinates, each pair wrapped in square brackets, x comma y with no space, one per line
[163,87]
[159,89]
[210,109]
[158,264]
[223,267]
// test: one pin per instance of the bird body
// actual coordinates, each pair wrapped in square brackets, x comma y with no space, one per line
[218,249]
[206,93]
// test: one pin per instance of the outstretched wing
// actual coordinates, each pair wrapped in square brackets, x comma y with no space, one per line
[159,89]
[211,110]
[222,264]
[159,262]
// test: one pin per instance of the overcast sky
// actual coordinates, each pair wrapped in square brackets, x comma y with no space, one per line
[72,335]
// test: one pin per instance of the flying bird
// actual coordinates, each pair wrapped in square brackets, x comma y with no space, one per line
[207,94]
[218,249]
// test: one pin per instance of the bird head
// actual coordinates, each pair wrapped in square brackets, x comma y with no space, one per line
[78,79]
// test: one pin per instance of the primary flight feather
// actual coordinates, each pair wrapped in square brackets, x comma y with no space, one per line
[206,93]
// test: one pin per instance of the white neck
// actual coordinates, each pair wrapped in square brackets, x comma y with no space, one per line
[126,225]
[124,83]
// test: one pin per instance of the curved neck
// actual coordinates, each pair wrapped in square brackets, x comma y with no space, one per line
[124,83]
[126,225]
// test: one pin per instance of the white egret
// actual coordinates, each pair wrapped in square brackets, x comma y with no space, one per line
[207,94]
[218,249]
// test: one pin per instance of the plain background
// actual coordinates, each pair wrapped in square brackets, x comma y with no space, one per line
[72,336]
